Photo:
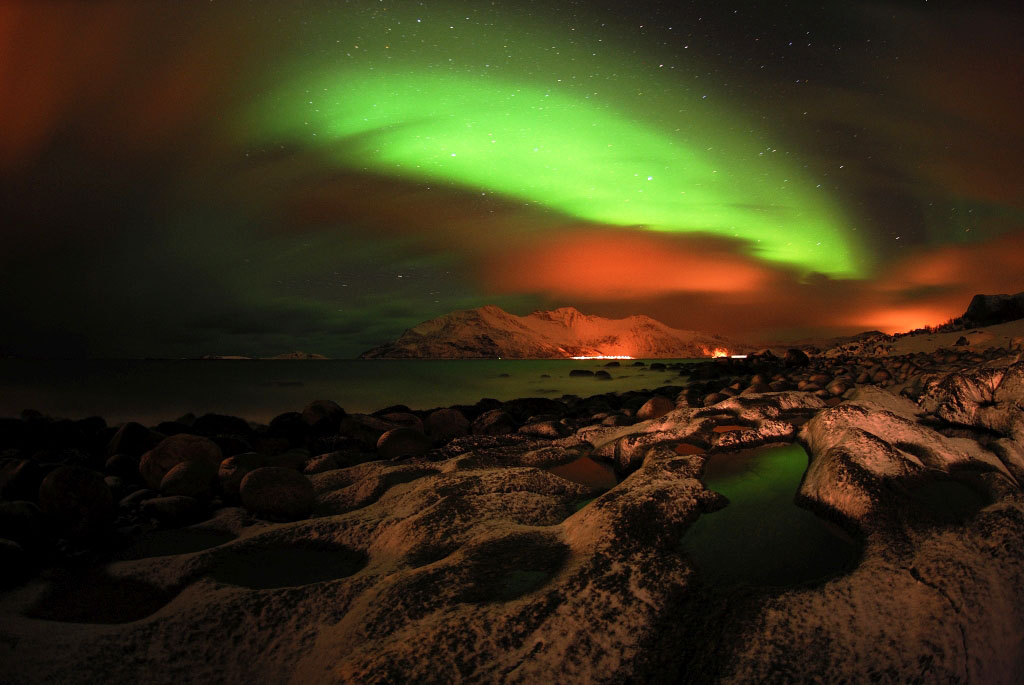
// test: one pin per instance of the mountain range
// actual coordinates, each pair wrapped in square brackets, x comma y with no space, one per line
[490,332]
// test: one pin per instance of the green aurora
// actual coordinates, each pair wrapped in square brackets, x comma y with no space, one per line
[632,149]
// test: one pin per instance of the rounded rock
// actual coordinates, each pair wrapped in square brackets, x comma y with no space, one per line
[172,451]
[133,439]
[655,407]
[402,442]
[134,499]
[881,376]
[494,422]
[289,426]
[323,463]
[446,424]
[123,465]
[277,493]
[404,419]
[837,388]
[234,469]
[550,430]
[323,416]
[20,479]
[714,398]
[191,479]
[795,358]
[77,500]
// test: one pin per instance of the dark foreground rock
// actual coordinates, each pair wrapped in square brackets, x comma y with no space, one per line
[499,557]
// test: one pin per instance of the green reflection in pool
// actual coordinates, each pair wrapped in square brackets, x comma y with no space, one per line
[762,537]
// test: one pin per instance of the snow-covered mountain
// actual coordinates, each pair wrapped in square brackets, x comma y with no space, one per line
[491,332]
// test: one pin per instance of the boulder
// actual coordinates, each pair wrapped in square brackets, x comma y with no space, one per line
[402,442]
[20,479]
[136,498]
[323,416]
[795,359]
[323,462]
[404,419]
[277,493]
[132,439]
[714,398]
[365,430]
[494,422]
[289,426]
[171,451]
[77,501]
[123,465]
[116,485]
[654,408]
[193,478]
[837,388]
[548,430]
[523,408]
[444,424]
[233,469]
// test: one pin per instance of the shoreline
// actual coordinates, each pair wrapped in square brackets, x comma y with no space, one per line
[214,516]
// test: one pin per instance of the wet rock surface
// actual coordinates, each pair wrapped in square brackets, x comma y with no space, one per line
[536,540]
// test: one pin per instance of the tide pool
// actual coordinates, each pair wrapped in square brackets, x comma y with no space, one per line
[762,537]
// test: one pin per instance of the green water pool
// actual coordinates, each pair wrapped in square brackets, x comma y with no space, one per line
[762,538]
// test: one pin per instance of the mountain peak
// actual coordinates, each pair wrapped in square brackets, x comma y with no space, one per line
[491,332]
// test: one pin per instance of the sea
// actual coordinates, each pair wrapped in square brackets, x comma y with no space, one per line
[150,391]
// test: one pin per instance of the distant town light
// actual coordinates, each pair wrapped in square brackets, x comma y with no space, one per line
[605,356]
[739,356]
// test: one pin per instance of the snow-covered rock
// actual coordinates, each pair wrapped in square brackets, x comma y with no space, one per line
[490,332]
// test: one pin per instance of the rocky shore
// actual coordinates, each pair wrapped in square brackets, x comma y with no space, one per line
[533,540]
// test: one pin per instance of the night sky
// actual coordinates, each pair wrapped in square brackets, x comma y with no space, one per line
[189,178]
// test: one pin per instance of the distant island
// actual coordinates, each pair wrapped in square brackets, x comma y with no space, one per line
[490,332]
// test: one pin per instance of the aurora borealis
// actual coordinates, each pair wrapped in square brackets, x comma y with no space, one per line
[594,156]
[248,178]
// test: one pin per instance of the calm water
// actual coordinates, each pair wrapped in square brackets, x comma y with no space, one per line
[762,537]
[153,391]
